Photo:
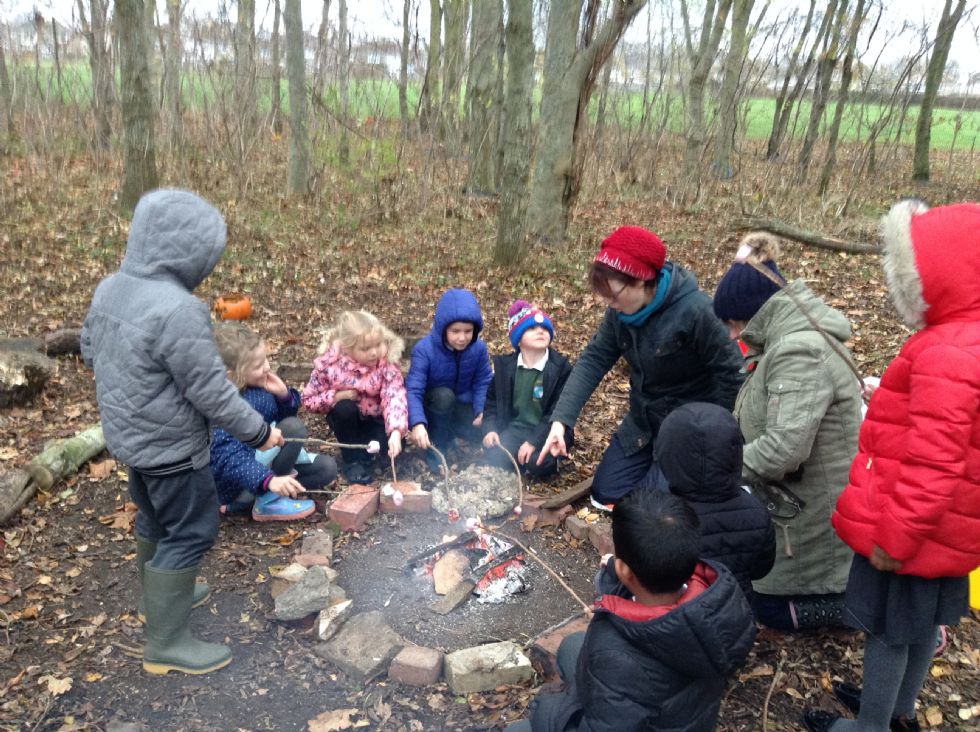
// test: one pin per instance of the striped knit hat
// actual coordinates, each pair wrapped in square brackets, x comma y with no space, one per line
[523,315]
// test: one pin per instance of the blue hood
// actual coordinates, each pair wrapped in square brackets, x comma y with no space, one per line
[457,305]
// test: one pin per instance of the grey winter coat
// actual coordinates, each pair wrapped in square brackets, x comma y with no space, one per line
[681,354]
[158,376]
[800,412]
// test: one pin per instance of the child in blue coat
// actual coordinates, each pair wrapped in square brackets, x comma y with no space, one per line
[448,380]
[270,483]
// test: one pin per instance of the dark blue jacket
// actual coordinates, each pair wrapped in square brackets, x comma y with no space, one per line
[667,673]
[699,450]
[435,364]
[233,463]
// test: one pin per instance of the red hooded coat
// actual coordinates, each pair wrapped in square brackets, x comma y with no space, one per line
[914,486]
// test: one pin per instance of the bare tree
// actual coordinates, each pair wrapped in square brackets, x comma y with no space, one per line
[137,104]
[570,73]
[343,71]
[516,132]
[276,61]
[245,97]
[934,76]
[785,99]
[299,136]
[483,112]
[320,60]
[453,62]
[7,97]
[701,58]
[172,72]
[846,75]
[729,96]
[403,66]
[429,100]
[96,32]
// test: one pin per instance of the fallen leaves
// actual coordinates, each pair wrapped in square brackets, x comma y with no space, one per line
[101,470]
[54,685]
[122,518]
[336,719]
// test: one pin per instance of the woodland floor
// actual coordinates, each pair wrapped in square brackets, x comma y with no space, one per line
[69,639]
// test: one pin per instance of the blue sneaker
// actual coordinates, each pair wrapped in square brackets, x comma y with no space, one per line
[273,507]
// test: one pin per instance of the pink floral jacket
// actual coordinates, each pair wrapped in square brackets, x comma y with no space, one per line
[380,389]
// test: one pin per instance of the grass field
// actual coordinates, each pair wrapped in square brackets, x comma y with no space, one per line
[378,99]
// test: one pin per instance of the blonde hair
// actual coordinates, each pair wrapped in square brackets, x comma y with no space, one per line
[353,325]
[236,343]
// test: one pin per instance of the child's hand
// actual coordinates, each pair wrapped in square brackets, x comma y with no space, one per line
[555,444]
[394,444]
[525,453]
[491,439]
[275,385]
[479,420]
[286,485]
[345,394]
[883,561]
[420,436]
[275,440]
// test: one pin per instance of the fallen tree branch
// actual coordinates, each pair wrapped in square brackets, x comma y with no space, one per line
[788,231]
[59,459]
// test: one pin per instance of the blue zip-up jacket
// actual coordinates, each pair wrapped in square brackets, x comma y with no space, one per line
[436,364]
[233,462]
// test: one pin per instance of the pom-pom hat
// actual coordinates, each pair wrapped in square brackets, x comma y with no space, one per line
[634,251]
[523,315]
[743,289]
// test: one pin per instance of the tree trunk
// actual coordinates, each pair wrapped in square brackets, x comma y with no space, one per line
[152,65]
[784,103]
[343,43]
[7,99]
[481,99]
[59,459]
[729,95]
[516,133]
[403,67]
[846,75]
[429,100]
[569,79]
[245,98]
[57,56]
[94,30]
[276,61]
[821,88]
[299,139]
[137,104]
[457,17]
[172,73]
[934,77]
[320,60]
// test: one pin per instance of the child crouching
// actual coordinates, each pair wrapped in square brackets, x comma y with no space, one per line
[269,482]
[358,384]
[667,633]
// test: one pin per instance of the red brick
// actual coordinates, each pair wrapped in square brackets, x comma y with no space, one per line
[543,649]
[600,534]
[354,507]
[414,499]
[416,666]
[319,543]
[312,560]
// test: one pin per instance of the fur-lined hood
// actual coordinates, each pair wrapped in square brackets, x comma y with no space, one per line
[932,262]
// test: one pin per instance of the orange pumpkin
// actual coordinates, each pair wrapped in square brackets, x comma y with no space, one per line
[234,307]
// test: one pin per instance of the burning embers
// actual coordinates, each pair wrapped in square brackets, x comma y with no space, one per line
[475,562]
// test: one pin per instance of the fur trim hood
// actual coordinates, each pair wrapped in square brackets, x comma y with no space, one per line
[932,262]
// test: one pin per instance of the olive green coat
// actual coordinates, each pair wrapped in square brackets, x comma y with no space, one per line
[800,412]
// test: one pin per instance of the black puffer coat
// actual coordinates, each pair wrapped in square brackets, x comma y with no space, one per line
[666,674]
[700,452]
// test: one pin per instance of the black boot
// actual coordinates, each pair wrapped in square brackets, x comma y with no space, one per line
[850,696]
[818,611]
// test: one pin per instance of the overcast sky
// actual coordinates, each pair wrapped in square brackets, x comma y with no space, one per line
[382,18]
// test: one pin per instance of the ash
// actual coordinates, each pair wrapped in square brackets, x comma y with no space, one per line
[479,491]
[516,580]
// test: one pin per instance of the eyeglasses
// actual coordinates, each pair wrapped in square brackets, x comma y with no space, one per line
[613,296]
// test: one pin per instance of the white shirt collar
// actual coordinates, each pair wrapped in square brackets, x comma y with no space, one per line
[539,366]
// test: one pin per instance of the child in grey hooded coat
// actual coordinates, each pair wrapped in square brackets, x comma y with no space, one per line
[160,383]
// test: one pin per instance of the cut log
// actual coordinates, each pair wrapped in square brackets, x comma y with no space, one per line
[24,370]
[564,498]
[59,459]
[788,231]
[63,342]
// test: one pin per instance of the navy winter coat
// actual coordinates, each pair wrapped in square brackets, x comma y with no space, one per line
[699,450]
[654,669]
[233,462]
[436,364]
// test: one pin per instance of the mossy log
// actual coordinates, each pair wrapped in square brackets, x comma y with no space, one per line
[59,459]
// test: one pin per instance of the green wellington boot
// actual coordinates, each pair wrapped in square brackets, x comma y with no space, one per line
[145,551]
[169,646]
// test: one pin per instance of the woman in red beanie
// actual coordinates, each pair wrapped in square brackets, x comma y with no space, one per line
[661,322]
[911,509]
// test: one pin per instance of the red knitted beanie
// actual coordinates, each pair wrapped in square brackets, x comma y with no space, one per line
[634,251]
